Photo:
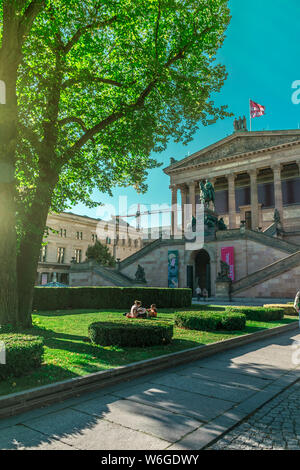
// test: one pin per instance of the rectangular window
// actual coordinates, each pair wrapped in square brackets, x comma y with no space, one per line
[78,256]
[79,235]
[108,241]
[60,255]
[43,254]
[44,278]
[94,237]
[63,233]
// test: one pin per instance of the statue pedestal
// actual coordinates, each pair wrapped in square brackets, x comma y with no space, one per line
[223,290]
[210,224]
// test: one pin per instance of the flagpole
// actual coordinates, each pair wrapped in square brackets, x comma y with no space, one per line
[250,114]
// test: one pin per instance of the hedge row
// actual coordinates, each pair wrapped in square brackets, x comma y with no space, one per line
[259,313]
[210,321]
[131,332]
[59,298]
[23,353]
[287,308]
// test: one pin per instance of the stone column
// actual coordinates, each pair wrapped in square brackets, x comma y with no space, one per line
[278,189]
[183,191]
[192,197]
[231,200]
[174,223]
[254,199]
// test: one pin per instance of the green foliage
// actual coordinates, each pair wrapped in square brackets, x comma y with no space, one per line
[210,321]
[23,354]
[259,313]
[102,84]
[101,254]
[131,332]
[57,298]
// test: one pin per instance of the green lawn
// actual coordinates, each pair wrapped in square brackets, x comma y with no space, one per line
[68,354]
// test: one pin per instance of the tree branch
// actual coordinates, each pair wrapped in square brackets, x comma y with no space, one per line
[91,78]
[31,136]
[139,103]
[84,29]
[156,30]
[73,119]
[31,12]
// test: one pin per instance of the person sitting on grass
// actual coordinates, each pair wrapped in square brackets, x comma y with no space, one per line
[134,310]
[152,312]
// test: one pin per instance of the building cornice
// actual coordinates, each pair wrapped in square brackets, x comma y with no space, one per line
[210,163]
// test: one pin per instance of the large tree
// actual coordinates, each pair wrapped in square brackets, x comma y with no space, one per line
[93,87]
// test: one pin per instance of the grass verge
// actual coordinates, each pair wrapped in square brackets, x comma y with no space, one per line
[68,354]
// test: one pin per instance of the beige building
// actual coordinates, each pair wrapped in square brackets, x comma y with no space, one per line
[68,237]
[253,173]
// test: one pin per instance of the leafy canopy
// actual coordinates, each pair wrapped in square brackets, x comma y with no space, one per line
[101,254]
[104,83]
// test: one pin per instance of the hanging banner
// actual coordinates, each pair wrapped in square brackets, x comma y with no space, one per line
[173,269]
[227,255]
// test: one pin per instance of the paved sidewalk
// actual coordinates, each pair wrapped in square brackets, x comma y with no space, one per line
[276,426]
[187,407]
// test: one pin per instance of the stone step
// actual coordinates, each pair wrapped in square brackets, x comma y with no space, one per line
[269,272]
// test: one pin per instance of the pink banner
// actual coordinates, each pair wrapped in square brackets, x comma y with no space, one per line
[227,255]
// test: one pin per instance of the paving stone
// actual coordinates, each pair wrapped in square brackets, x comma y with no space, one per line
[186,403]
[85,432]
[278,436]
[226,377]
[205,387]
[138,416]
[20,438]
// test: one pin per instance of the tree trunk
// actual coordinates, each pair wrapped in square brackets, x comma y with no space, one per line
[34,224]
[8,253]
[8,247]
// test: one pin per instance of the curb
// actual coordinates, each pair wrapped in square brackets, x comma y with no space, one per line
[20,402]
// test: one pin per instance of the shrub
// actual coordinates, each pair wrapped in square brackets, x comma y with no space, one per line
[23,354]
[259,313]
[131,332]
[210,321]
[288,309]
[60,298]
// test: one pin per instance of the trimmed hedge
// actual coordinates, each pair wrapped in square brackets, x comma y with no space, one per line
[258,313]
[60,298]
[210,321]
[23,354]
[288,309]
[131,332]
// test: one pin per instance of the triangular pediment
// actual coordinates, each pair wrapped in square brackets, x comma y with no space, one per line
[237,144]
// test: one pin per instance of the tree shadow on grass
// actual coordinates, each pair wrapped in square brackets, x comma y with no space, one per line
[67,312]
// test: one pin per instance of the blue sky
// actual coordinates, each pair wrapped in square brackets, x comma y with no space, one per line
[261,54]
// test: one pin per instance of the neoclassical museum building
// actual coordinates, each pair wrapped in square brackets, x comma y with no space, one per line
[257,193]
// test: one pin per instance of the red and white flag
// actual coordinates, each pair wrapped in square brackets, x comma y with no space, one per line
[256,110]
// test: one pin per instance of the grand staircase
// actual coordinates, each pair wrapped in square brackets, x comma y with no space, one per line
[267,238]
[268,272]
[113,276]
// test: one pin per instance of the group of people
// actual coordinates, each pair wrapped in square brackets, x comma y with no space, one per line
[201,293]
[137,311]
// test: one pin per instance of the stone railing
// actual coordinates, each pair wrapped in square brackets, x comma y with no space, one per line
[268,272]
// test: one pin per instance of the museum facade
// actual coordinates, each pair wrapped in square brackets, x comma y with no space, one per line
[257,193]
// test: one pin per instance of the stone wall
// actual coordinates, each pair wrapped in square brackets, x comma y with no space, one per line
[249,256]
[155,265]
[87,278]
[285,285]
